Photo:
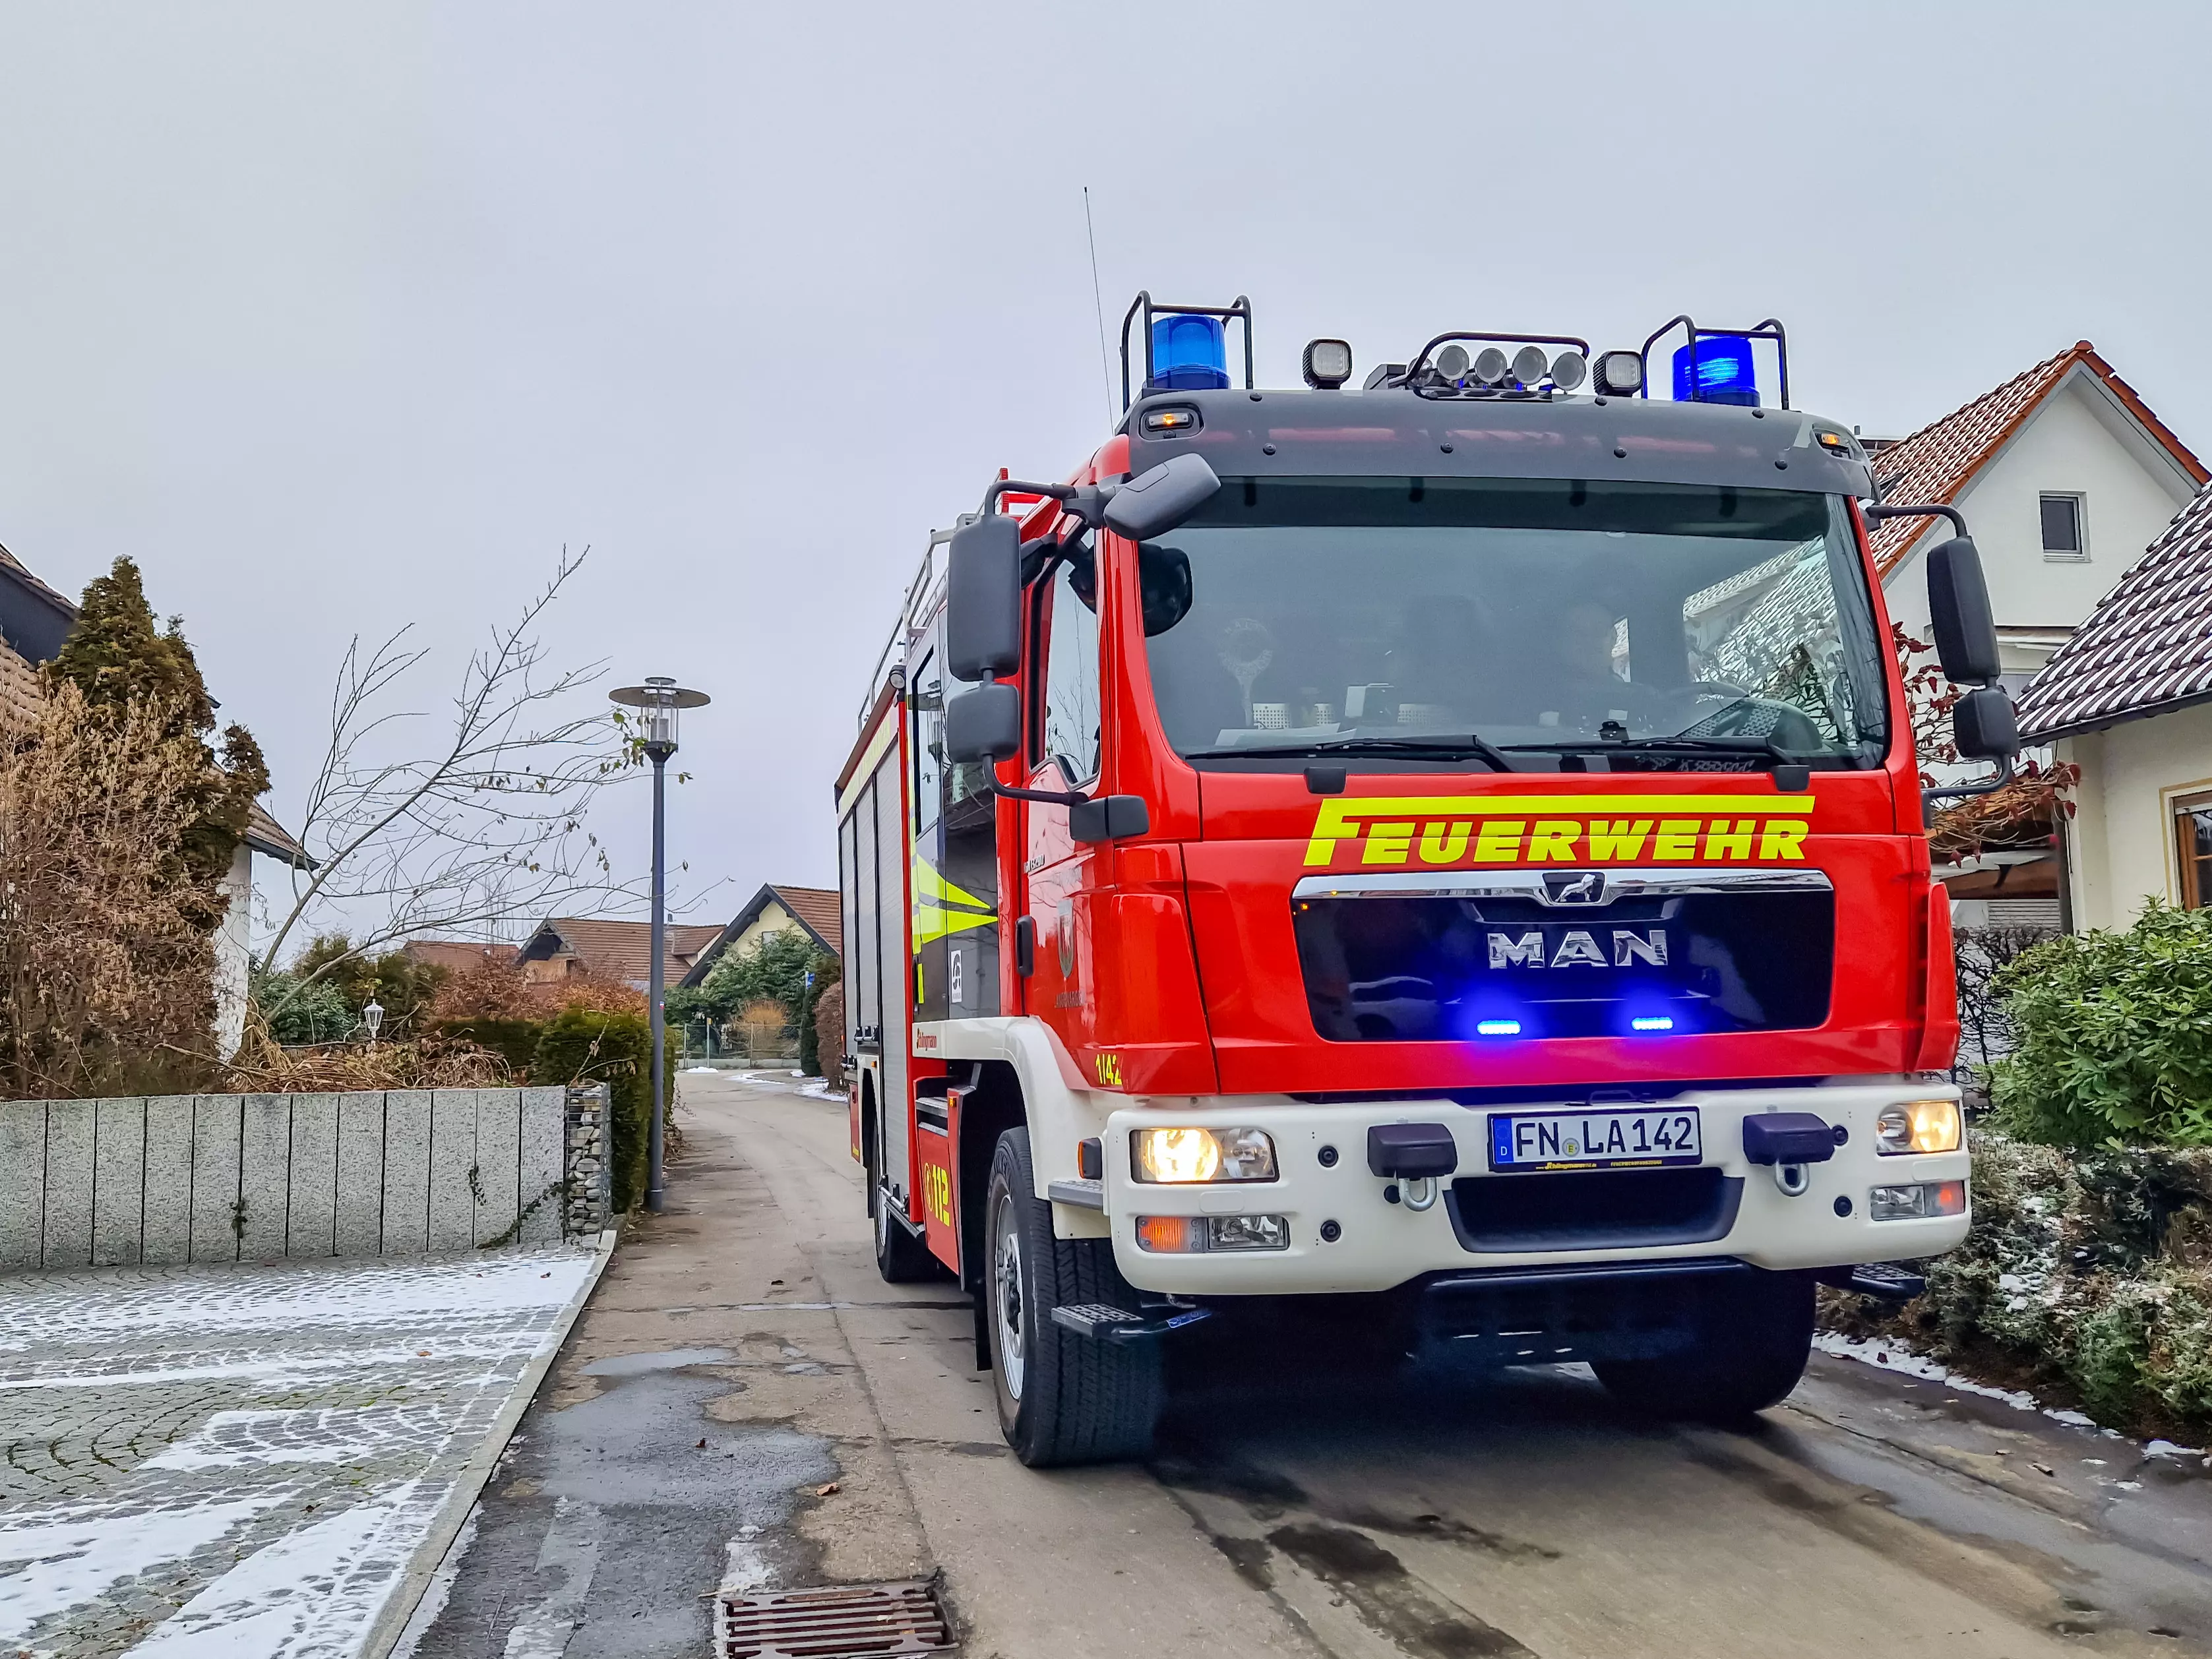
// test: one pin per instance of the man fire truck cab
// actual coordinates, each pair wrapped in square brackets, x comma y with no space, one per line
[1446,855]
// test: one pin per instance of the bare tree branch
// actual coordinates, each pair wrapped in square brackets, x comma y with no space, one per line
[486,830]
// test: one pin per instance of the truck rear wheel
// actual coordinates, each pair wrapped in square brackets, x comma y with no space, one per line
[1062,1398]
[903,1257]
[1751,1351]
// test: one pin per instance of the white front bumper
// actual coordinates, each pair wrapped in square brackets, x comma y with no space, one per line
[1379,1244]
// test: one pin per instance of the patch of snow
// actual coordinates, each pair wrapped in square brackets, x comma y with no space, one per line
[313,1592]
[2074,1421]
[1893,1356]
[77,1553]
[702,1070]
[749,1572]
[799,1074]
[2167,1449]
[296,1301]
[231,1440]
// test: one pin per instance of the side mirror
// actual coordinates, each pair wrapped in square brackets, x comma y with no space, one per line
[1958,613]
[984,724]
[1109,817]
[983,601]
[1984,726]
[1161,497]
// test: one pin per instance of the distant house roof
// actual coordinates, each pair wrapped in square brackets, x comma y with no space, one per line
[817,910]
[272,840]
[2145,649]
[617,951]
[455,954]
[34,619]
[1938,461]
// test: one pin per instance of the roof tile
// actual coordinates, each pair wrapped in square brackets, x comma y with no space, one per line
[2147,644]
[1935,463]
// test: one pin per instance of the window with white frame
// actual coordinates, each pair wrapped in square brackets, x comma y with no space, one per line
[2064,530]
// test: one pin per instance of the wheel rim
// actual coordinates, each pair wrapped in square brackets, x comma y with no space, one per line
[882,1225]
[1006,1296]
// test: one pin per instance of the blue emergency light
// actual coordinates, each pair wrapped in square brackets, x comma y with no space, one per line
[1189,354]
[1716,368]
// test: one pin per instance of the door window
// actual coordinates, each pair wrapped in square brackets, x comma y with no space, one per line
[1071,684]
[2192,845]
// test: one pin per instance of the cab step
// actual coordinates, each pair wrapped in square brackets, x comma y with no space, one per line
[1098,1321]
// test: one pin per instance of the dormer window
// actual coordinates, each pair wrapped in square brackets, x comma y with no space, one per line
[2062,528]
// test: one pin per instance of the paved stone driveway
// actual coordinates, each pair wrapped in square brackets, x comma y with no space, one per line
[239,1460]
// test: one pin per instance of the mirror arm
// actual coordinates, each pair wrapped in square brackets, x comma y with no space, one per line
[1929,797]
[1878,512]
[1048,797]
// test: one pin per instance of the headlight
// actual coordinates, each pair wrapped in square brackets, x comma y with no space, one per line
[1919,1126]
[1186,1155]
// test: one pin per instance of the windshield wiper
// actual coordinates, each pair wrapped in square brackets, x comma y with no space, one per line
[1776,756]
[1470,747]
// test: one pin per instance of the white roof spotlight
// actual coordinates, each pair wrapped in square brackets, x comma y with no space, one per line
[1489,366]
[1327,364]
[1568,370]
[1530,366]
[1452,363]
[1620,374]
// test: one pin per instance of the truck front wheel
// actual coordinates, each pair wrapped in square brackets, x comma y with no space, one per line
[1062,1398]
[1750,1351]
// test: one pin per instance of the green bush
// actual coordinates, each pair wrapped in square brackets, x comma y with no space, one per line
[580,1045]
[2087,1276]
[297,1013]
[2115,1036]
[514,1041]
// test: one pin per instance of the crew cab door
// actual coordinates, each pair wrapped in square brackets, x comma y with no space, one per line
[1066,748]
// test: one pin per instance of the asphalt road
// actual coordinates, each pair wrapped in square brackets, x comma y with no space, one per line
[745,1402]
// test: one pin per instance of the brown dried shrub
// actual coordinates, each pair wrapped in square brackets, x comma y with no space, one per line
[107,965]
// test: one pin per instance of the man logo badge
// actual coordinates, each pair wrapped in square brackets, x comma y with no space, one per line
[1574,887]
[1577,947]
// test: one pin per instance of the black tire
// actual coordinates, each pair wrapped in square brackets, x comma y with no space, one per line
[903,1257]
[1751,1351]
[1062,1398]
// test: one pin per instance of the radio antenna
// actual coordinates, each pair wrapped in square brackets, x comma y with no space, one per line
[1099,305]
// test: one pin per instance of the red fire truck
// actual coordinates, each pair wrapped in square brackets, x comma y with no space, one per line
[1436,862]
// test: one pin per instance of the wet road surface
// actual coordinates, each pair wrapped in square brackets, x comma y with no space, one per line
[746,1403]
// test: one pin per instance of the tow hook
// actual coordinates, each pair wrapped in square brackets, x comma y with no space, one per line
[1788,1141]
[1414,1155]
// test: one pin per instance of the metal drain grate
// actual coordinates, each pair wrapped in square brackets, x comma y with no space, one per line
[835,1621]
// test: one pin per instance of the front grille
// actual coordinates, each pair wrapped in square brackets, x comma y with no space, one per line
[1426,967]
[1556,1316]
[1598,1210]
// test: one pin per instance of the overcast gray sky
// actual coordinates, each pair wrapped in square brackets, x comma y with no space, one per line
[339,317]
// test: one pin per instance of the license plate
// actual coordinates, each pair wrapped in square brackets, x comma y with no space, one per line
[1595,1140]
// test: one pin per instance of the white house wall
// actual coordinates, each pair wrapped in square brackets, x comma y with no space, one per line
[2120,846]
[232,946]
[2078,441]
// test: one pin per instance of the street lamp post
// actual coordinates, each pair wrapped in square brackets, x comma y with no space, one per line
[372,1015]
[657,701]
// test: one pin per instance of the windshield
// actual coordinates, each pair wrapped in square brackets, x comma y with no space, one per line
[1557,622]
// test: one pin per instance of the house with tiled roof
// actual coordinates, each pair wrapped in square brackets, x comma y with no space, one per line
[2063,474]
[811,911]
[618,951]
[2128,699]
